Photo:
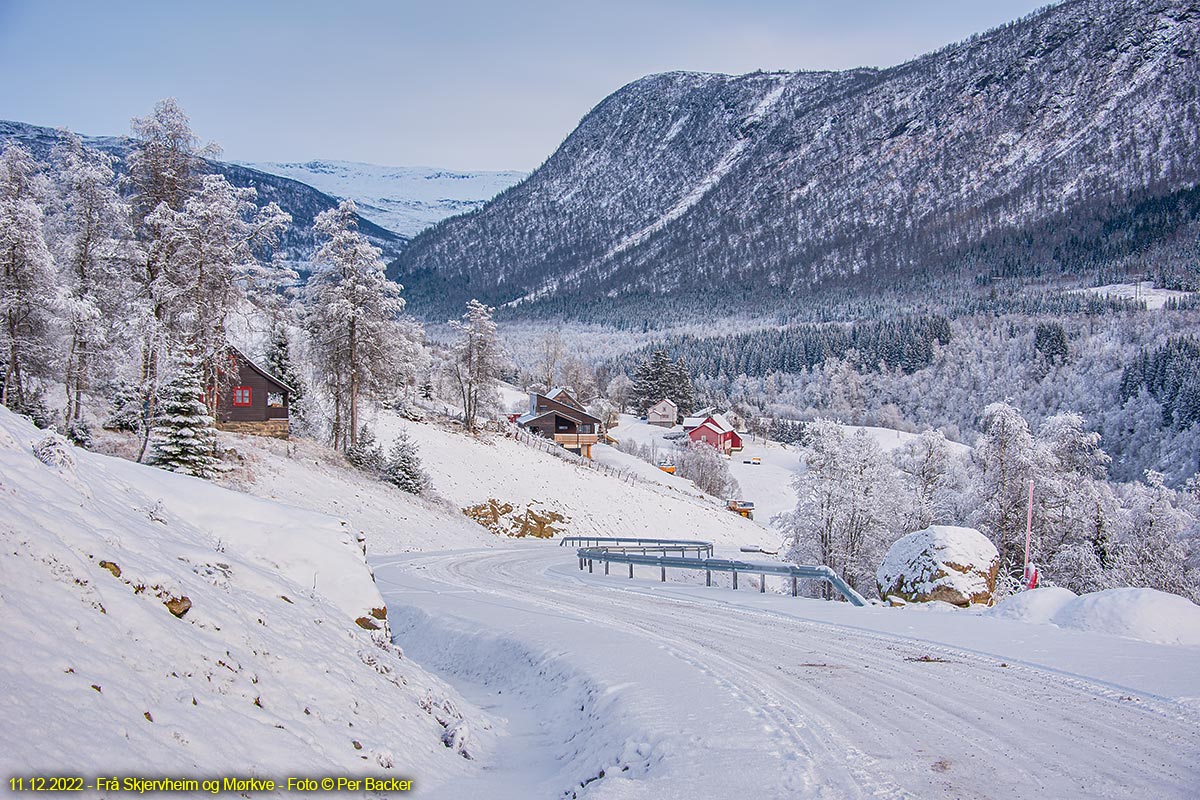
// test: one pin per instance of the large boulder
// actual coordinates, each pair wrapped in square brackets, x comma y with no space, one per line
[943,562]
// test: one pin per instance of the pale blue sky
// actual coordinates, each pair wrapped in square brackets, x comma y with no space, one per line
[477,84]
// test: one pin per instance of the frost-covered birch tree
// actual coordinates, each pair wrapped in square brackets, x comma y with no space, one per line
[210,252]
[350,313]
[848,510]
[164,166]
[477,360]
[91,232]
[27,281]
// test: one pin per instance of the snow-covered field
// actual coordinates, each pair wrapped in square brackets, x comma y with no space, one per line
[402,199]
[1154,299]
[263,671]
[669,690]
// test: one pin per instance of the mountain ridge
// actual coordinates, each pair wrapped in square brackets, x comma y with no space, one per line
[297,198]
[1068,117]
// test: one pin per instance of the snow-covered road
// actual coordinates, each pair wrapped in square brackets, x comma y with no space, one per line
[671,691]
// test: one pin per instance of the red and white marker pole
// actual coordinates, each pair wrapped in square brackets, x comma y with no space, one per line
[1031,572]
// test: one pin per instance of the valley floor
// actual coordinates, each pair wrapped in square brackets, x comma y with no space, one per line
[612,688]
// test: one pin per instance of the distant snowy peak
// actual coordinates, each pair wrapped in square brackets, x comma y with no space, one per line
[405,200]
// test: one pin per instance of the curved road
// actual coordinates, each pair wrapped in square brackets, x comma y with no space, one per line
[720,700]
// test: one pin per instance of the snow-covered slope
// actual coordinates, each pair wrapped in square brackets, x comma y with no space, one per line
[263,671]
[470,470]
[405,200]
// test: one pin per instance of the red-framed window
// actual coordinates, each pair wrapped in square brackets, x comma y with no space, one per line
[241,396]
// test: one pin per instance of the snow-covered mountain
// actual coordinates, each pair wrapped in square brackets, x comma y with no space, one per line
[296,197]
[402,199]
[1048,144]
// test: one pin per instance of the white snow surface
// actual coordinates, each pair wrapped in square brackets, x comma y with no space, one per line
[405,200]
[619,688]
[1155,299]
[265,675]
[1034,605]
[472,469]
[919,558]
[1145,614]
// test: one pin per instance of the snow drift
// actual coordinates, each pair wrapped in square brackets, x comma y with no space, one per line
[1145,614]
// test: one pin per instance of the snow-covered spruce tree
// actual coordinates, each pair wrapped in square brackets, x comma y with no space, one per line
[184,438]
[366,454]
[209,252]
[657,378]
[476,361]
[91,231]
[278,361]
[404,468]
[350,313]
[27,280]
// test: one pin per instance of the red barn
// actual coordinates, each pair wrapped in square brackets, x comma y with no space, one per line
[716,431]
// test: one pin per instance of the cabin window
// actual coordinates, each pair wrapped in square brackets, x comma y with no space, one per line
[275,399]
[241,396]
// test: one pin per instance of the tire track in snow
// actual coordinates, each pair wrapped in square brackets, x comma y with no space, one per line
[857,719]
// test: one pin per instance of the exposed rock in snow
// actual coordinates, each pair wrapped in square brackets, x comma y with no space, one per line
[943,562]
[535,520]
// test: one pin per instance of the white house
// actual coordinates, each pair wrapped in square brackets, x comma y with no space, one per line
[663,413]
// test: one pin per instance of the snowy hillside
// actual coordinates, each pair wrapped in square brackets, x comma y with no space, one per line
[405,200]
[470,470]
[155,623]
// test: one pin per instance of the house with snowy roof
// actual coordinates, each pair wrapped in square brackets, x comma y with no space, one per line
[558,416]
[250,399]
[697,417]
[664,413]
[716,431]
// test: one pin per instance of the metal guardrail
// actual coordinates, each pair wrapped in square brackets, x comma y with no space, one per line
[611,552]
[626,544]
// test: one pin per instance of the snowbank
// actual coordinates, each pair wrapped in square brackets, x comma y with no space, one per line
[1145,614]
[943,562]
[1035,605]
[157,624]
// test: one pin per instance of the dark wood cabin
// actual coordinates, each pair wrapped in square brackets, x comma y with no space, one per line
[252,400]
[560,417]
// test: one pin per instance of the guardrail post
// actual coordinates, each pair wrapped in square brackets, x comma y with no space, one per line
[664,574]
[605,567]
[589,566]
[762,587]
[734,578]
[631,570]
[708,577]
[794,591]
[581,564]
